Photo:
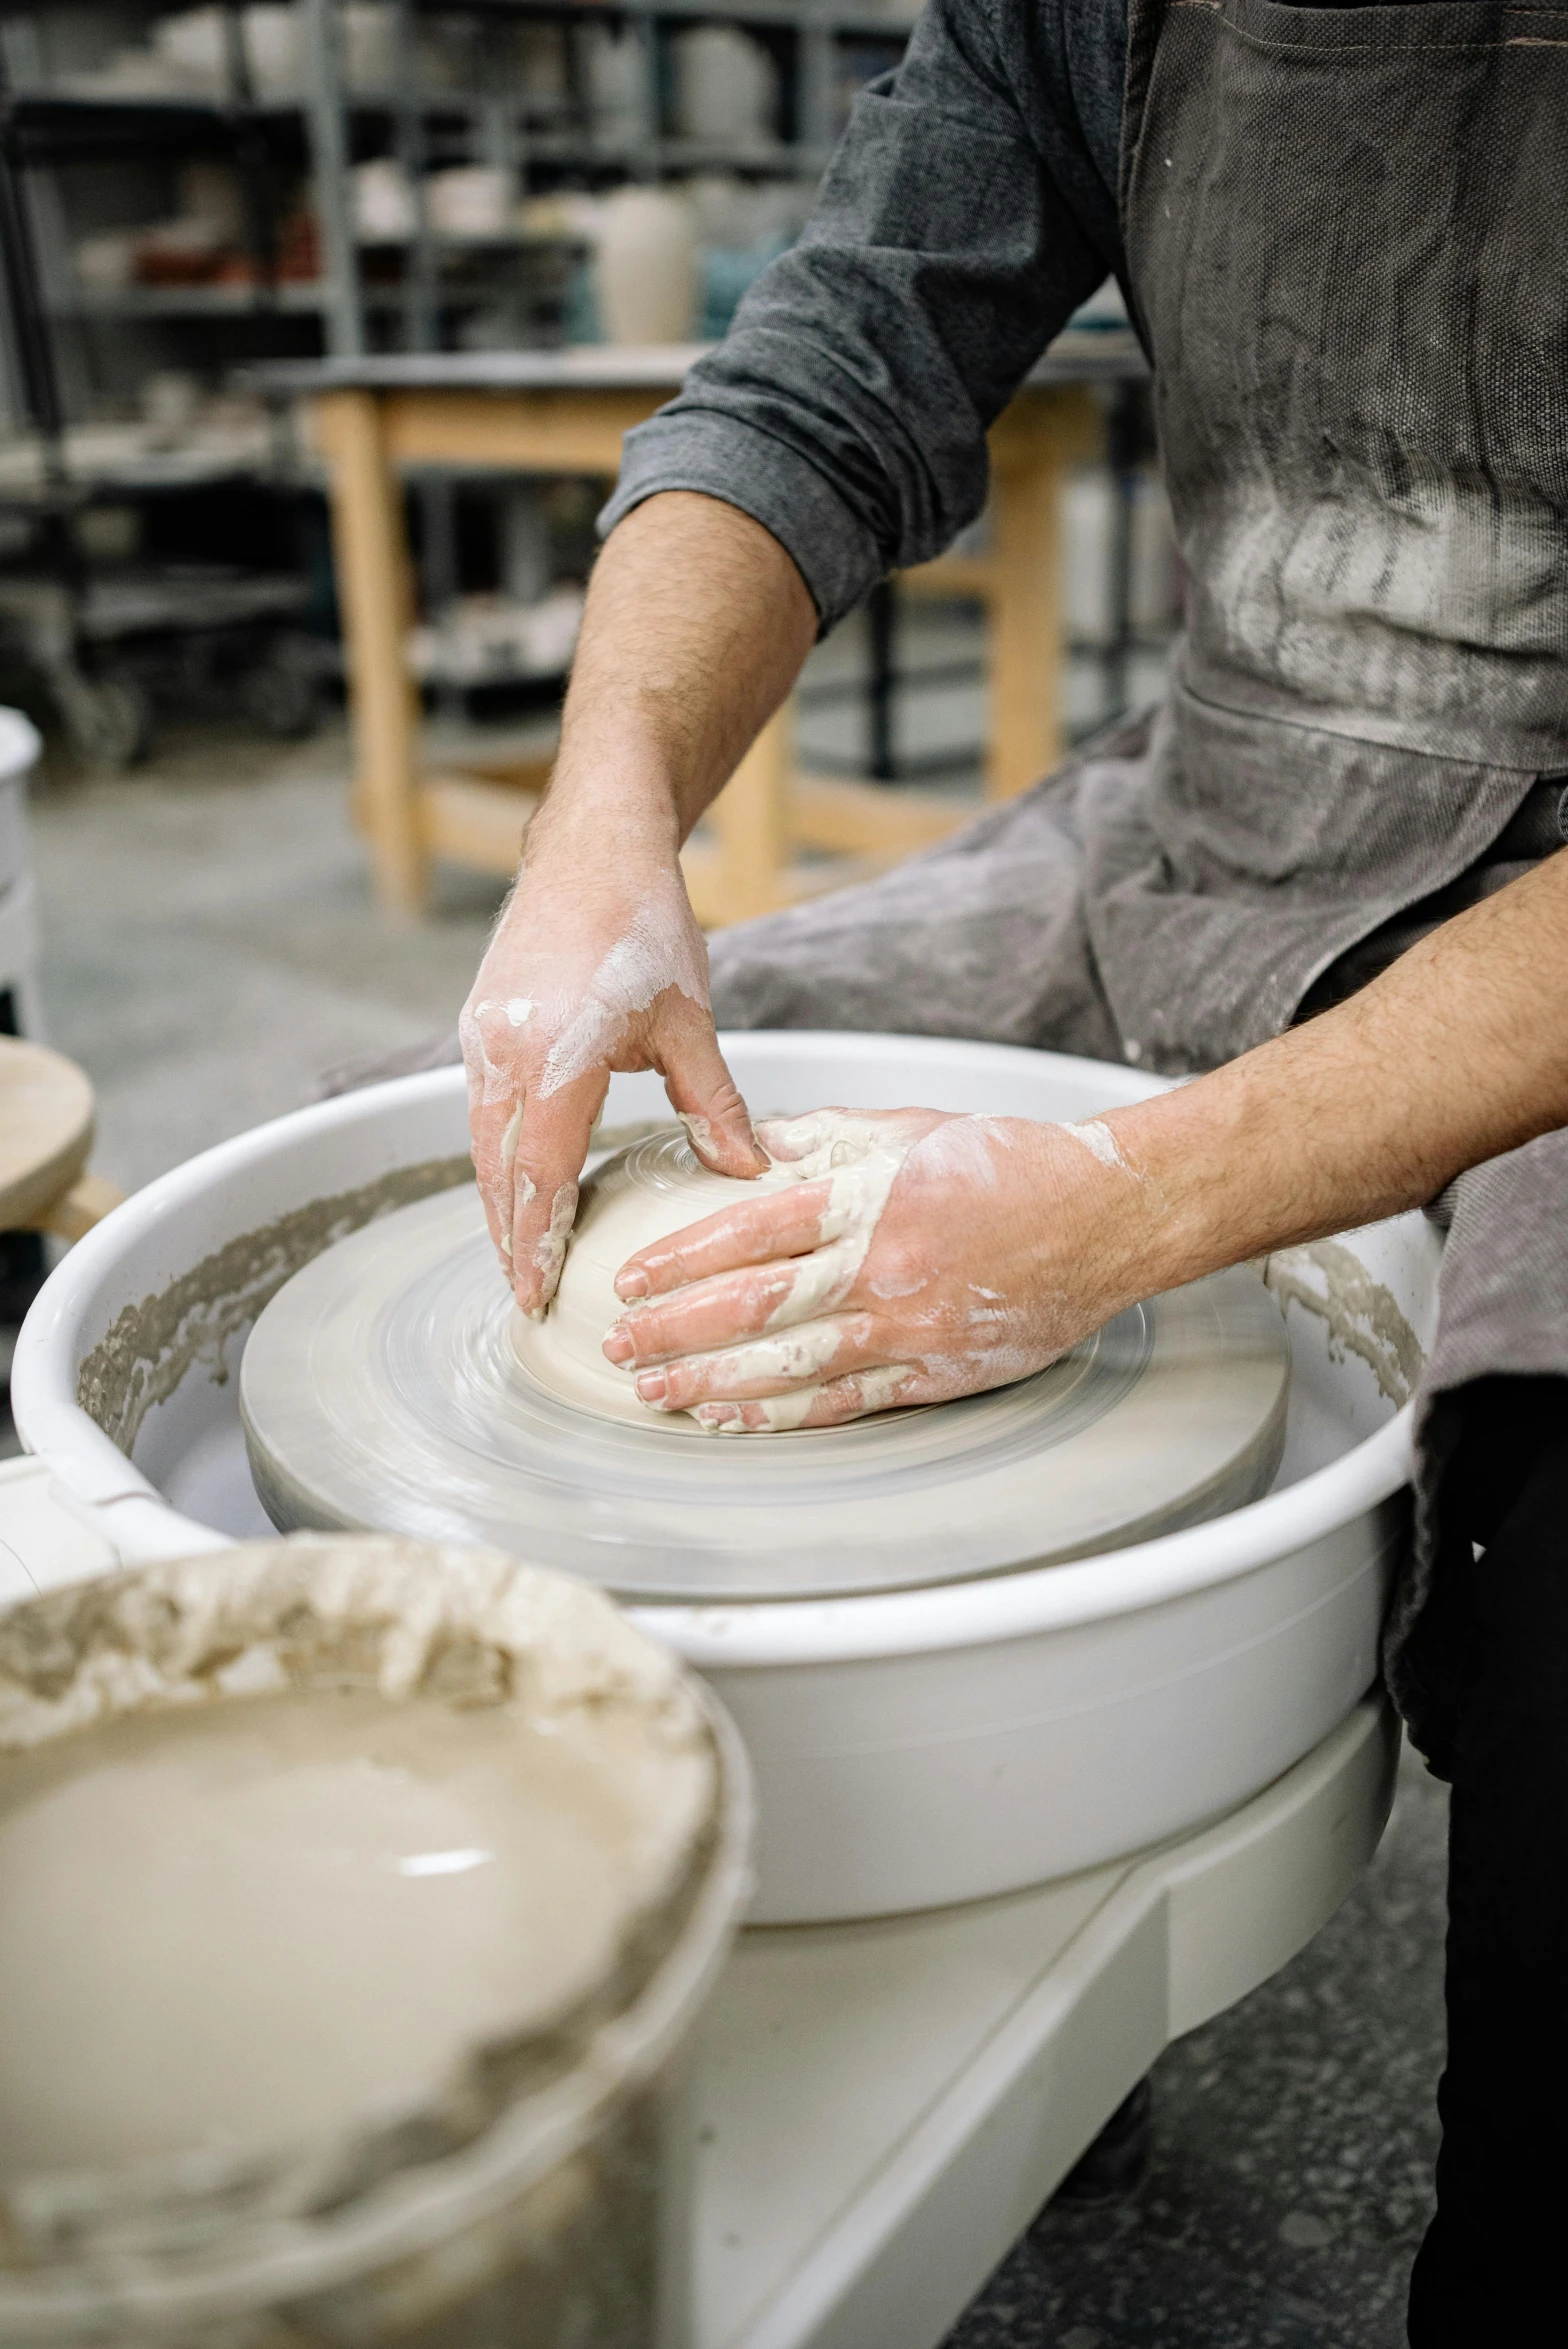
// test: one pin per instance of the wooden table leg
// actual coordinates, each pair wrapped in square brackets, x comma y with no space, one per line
[751,819]
[374,585]
[1031,448]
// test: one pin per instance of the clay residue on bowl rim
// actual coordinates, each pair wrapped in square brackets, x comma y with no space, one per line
[148,1348]
[1361,1315]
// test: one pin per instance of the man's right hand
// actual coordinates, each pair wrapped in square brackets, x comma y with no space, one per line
[696,624]
[588,972]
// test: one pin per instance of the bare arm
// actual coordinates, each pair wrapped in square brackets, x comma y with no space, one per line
[696,624]
[1457,1053]
[1000,1242]
[696,627]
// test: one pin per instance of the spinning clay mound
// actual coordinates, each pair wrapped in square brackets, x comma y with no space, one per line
[391,1386]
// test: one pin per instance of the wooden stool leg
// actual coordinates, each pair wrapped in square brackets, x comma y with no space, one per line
[751,818]
[75,1212]
[374,585]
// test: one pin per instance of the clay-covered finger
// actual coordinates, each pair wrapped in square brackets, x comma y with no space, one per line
[494,1127]
[495,1075]
[789,1138]
[769,1365]
[723,1310]
[702,1092]
[552,1143]
[842,1132]
[763,1230]
[883,1387]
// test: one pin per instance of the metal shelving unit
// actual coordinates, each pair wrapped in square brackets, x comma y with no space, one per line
[55,122]
[450,88]
[93,138]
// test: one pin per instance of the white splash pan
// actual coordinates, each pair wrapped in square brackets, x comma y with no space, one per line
[913,1748]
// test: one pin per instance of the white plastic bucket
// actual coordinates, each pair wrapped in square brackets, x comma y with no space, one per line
[537,2194]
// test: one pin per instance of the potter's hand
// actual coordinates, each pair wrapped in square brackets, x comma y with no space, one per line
[913,1257]
[587,972]
[695,625]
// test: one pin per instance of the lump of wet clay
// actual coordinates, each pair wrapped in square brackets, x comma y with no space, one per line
[660,1186]
[656,1187]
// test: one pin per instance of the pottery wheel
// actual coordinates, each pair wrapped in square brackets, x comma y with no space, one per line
[384,1388]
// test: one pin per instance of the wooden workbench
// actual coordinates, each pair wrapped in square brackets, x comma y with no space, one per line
[566,412]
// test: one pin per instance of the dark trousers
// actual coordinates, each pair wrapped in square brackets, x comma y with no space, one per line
[1491,2268]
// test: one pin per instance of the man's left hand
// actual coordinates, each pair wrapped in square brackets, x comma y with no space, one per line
[919,1257]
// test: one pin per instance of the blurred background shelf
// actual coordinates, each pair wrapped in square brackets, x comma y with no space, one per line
[190,195]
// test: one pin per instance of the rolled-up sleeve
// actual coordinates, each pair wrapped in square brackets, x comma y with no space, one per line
[848,406]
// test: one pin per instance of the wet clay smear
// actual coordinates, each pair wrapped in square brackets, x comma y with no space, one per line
[148,1349]
[1363,1317]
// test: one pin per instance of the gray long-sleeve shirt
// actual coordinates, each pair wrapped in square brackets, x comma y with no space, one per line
[969,209]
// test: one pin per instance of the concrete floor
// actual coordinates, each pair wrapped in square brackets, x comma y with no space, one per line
[1293,2145]
[210,949]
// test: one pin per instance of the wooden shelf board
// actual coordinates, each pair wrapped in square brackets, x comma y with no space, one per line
[712,900]
[871,819]
[475,822]
[479,817]
[954,575]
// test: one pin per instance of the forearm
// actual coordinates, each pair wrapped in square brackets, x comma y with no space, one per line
[1457,1053]
[696,625]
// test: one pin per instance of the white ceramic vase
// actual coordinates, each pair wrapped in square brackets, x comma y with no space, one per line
[619,94]
[645,268]
[725,87]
